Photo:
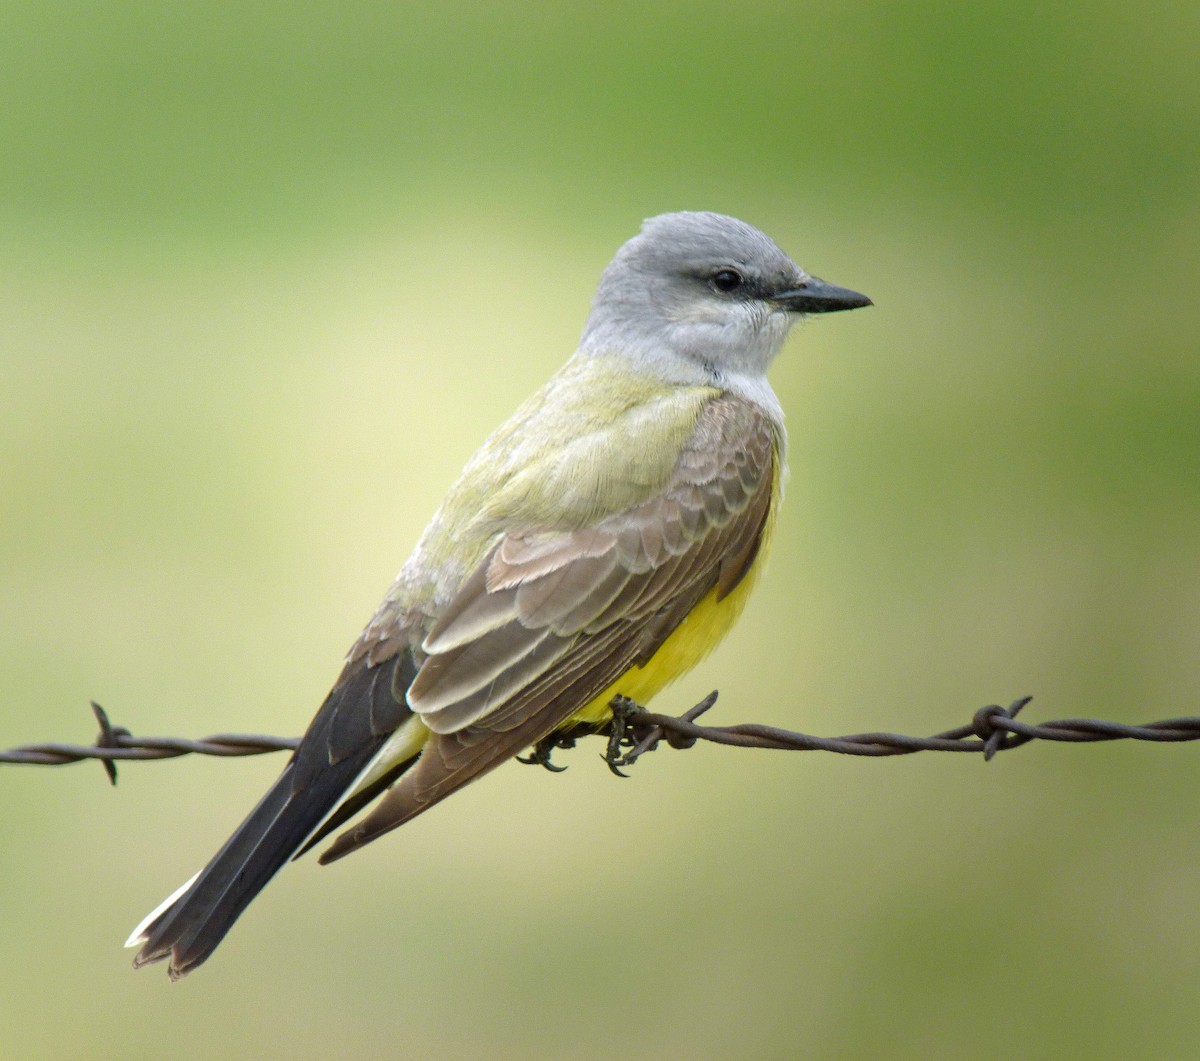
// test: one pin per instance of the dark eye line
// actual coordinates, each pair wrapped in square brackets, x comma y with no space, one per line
[726,279]
[744,287]
[747,287]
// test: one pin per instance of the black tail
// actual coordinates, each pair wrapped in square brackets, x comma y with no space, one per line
[357,718]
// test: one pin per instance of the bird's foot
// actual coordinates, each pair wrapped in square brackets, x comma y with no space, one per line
[631,732]
[622,734]
[542,751]
[639,735]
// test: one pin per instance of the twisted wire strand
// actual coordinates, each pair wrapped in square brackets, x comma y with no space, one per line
[637,731]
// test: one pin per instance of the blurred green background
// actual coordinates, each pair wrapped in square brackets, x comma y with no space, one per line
[269,273]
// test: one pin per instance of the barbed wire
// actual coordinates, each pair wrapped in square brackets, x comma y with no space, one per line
[117,743]
[635,731]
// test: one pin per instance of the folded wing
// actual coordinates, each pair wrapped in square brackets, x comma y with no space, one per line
[551,619]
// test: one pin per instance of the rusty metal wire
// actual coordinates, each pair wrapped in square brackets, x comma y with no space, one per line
[117,743]
[636,731]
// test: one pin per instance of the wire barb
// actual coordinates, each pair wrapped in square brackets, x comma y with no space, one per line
[992,729]
[116,743]
[109,737]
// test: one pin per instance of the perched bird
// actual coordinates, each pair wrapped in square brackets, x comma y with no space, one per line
[600,543]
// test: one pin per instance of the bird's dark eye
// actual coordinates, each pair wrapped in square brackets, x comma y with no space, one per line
[727,280]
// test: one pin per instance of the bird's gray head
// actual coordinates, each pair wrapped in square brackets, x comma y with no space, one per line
[704,296]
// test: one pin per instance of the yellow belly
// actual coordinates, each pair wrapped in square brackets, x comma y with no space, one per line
[691,641]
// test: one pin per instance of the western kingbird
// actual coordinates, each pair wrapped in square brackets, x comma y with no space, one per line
[600,543]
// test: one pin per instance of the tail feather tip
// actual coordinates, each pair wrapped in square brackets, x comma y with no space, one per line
[141,934]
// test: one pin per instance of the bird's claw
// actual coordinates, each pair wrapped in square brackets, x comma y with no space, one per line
[541,753]
[620,735]
[629,735]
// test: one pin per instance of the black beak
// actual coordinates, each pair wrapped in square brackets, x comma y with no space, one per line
[816,296]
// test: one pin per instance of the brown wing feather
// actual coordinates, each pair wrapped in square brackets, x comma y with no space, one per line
[451,760]
[552,619]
